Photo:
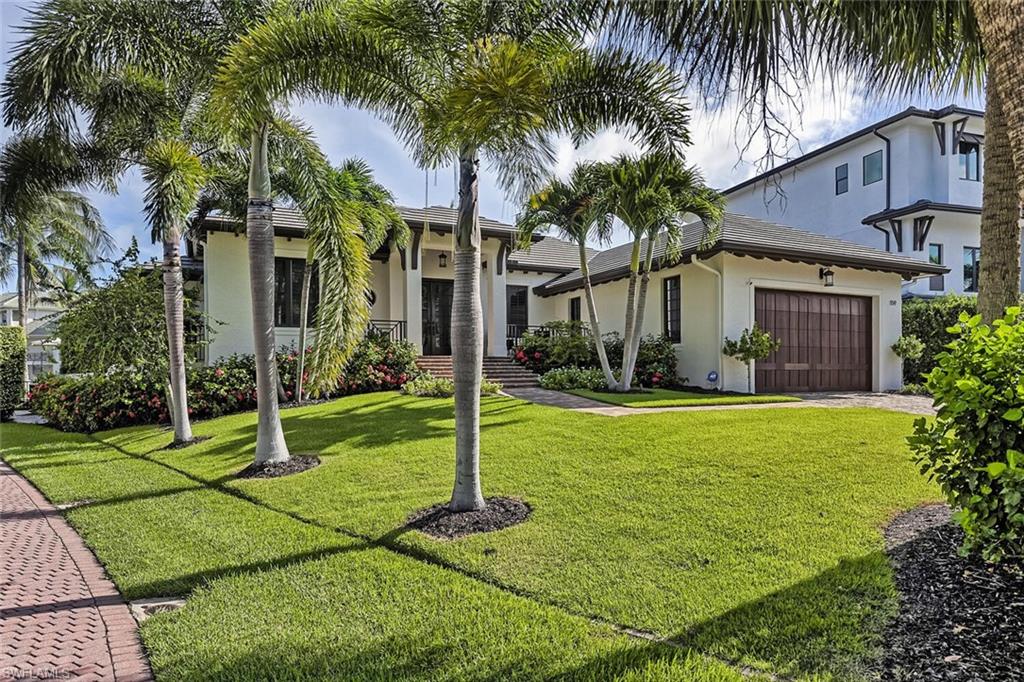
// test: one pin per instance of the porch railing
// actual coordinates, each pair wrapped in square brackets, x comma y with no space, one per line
[392,329]
[514,332]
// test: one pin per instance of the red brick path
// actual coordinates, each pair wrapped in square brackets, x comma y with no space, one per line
[60,617]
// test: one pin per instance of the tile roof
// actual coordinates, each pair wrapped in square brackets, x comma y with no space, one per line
[742,235]
[547,254]
[920,205]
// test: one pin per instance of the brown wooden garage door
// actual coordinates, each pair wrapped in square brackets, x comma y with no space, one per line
[826,341]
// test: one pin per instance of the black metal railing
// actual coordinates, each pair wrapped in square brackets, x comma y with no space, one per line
[514,332]
[392,329]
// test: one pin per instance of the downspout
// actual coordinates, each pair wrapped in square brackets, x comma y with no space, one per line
[721,315]
[888,168]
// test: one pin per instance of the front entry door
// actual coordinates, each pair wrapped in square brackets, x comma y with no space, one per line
[437,316]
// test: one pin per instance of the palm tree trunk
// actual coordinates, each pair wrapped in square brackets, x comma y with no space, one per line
[174,314]
[300,366]
[638,324]
[22,275]
[999,287]
[259,221]
[595,327]
[627,340]
[467,339]
[1001,24]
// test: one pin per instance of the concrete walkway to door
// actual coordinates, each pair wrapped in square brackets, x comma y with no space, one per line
[60,617]
[912,404]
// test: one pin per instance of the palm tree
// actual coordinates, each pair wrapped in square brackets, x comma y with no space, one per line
[142,73]
[51,232]
[651,195]
[458,81]
[372,205]
[576,208]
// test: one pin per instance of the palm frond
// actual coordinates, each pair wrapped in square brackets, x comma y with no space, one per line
[174,178]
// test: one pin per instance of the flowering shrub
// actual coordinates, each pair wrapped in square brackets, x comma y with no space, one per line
[565,344]
[567,378]
[121,398]
[427,385]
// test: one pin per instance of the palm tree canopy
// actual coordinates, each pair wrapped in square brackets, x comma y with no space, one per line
[575,207]
[655,192]
[496,77]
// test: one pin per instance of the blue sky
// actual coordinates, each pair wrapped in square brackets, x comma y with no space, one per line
[718,130]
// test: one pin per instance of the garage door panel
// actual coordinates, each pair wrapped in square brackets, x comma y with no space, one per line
[826,341]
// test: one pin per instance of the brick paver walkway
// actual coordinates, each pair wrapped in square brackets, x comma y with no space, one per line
[60,617]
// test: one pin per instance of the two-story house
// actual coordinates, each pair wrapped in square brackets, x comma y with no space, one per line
[43,348]
[909,184]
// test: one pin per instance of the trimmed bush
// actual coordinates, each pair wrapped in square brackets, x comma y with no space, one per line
[929,320]
[568,378]
[973,448]
[566,344]
[12,369]
[427,385]
[127,396]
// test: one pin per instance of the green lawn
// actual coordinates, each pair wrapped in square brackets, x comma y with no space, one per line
[750,536]
[664,397]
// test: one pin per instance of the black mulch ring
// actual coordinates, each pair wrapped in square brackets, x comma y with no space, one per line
[443,524]
[295,464]
[960,619]
[181,444]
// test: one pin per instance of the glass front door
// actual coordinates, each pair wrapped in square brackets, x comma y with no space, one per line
[437,316]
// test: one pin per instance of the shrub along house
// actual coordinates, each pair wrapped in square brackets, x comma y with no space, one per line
[834,304]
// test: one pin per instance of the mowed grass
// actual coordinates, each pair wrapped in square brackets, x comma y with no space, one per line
[664,397]
[271,597]
[751,535]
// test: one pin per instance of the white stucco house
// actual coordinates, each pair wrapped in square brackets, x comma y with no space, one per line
[909,184]
[835,303]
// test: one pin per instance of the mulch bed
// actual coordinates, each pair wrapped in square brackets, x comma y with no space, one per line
[296,464]
[182,444]
[960,619]
[443,524]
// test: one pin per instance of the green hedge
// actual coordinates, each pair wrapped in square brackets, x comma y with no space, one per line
[12,369]
[126,397]
[929,320]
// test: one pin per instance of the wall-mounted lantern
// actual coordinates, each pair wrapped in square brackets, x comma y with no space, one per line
[442,260]
[828,276]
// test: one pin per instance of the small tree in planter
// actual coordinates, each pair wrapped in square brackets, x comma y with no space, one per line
[753,344]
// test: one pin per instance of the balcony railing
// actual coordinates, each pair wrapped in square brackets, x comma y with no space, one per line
[514,332]
[392,329]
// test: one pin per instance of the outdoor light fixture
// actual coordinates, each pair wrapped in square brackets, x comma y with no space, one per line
[827,275]
[442,260]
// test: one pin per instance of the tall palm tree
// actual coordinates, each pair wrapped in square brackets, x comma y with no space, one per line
[652,195]
[373,207]
[576,208]
[458,81]
[142,74]
[46,229]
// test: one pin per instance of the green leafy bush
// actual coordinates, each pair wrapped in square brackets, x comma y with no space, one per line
[129,396]
[908,347]
[568,378]
[567,344]
[427,385]
[122,325]
[929,320]
[12,369]
[973,446]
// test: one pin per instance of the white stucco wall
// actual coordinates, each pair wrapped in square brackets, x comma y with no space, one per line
[917,171]
[228,304]
[700,350]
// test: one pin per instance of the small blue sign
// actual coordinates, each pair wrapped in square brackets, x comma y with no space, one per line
[712,377]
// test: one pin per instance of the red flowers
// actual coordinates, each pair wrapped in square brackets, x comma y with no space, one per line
[218,372]
[537,355]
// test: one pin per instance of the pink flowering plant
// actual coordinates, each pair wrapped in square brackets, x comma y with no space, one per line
[96,402]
